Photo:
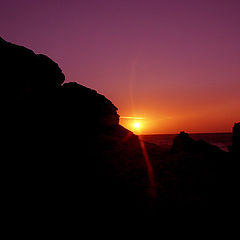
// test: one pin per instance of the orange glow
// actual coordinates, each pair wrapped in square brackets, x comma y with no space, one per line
[171,119]
[136,125]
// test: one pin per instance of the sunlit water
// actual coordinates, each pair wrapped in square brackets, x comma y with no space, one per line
[222,140]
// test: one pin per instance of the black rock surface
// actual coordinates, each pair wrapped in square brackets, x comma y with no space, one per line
[65,153]
[184,143]
[236,139]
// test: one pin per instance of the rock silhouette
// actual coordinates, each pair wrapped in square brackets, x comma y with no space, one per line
[236,139]
[183,143]
[23,70]
[93,109]
[65,151]
[66,155]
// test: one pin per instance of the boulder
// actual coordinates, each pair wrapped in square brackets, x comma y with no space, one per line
[184,143]
[236,139]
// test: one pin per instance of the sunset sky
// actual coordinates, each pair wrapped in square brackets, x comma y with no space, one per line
[173,64]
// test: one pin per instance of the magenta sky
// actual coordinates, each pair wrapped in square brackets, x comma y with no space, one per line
[176,63]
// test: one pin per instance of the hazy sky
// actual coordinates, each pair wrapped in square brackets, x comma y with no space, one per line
[175,63]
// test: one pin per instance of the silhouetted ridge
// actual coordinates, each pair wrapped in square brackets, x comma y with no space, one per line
[22,69]
[91,108]
[63,144]
[67,157]
[37,80]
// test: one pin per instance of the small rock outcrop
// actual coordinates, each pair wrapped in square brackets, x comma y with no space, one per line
[236,139]
[184,143]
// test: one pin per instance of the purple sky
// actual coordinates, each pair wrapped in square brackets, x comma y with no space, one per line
[176,63]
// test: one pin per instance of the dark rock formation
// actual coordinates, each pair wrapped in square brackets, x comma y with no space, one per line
[184,143]
[88,108]
[66,156]
[236,139]
[23,70]
[64,150]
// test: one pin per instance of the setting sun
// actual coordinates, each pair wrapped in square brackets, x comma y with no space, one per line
[136,125]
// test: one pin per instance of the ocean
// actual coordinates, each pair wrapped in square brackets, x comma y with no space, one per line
[221,140]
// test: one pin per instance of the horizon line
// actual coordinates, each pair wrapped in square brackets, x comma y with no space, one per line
[185,132]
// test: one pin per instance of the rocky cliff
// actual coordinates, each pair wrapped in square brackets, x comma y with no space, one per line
[236,139]
[63,145]
[66,155]
[23,70]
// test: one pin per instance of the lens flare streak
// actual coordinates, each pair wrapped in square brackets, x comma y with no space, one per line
[153,185]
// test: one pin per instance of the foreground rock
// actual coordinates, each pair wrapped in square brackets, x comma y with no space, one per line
[65,152]
[67,156]
[236,139]
[23,70]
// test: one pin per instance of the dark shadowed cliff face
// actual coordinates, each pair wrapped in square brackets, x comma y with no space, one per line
[236,139]
[85,106]
[33,83]
[65,152]
[23,70]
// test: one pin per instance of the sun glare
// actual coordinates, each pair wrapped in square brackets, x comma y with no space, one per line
[137,125]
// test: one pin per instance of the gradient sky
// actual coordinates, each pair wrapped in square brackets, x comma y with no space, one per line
[175,63]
